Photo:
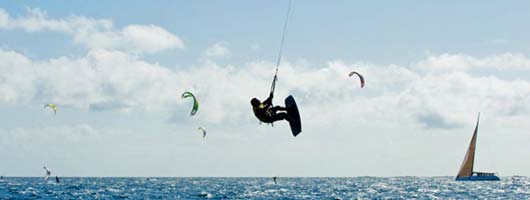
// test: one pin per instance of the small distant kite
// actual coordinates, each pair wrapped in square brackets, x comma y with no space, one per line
[195,102]
[360,77]
[52,106]
[203,132]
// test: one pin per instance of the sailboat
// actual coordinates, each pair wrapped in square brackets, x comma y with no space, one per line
[466,172]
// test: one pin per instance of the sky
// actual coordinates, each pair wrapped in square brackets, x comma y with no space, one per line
[116,71]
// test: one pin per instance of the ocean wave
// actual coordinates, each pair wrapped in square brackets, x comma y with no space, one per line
[264,188]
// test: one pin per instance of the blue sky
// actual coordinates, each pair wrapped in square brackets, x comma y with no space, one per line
[388,32]
[116,70]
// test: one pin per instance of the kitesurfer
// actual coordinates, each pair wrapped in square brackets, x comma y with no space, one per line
[267,113]
[48,173]
[56,179]
[274,179]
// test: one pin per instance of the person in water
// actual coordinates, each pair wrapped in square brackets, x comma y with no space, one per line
[267,113]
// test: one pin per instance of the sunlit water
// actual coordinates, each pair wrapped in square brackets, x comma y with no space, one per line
[264,188]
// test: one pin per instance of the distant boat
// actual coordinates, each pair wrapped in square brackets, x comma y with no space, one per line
[466,172]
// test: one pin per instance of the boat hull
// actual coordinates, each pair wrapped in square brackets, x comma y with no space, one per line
[478,178]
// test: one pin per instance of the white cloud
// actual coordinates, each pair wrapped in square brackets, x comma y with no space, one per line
[150,38]
[4,18]
[102,77]
[499,41]
[436,121]
[255,46]
[391,117]
[448,63]
[53,134]
[219,49]
[96,33]
[106,79]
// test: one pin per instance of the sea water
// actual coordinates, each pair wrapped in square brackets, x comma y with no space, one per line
[263,188]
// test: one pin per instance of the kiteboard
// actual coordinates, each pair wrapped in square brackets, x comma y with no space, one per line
[292,111]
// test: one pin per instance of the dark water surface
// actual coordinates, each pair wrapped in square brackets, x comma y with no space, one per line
[263,188]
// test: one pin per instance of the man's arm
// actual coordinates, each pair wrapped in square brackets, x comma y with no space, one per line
[268,101]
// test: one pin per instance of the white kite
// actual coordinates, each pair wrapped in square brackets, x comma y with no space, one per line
[203,131]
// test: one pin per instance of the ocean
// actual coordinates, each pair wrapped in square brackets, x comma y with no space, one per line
[263,188]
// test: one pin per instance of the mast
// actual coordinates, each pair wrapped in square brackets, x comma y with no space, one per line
[466,169]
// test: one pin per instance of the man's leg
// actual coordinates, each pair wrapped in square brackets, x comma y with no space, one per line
[280,116]
[278,108]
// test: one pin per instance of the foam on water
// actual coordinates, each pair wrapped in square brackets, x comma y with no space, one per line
[261,188]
